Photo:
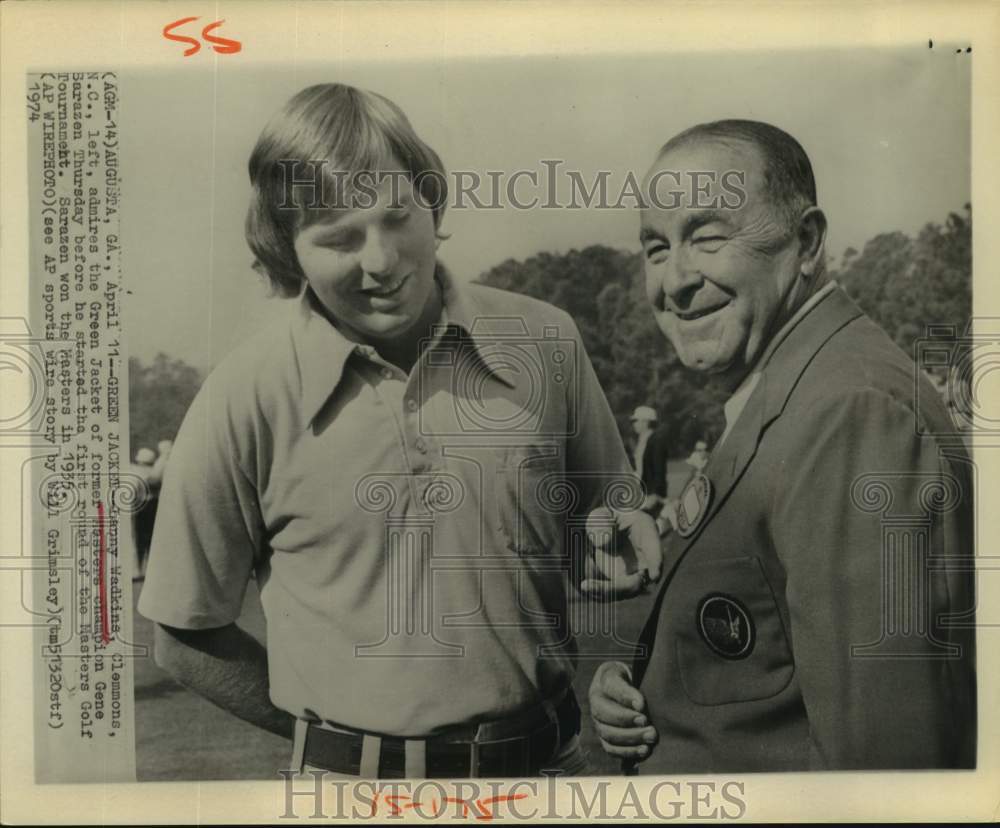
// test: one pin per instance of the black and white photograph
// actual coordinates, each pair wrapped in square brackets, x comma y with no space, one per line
[417,425]
[514,229]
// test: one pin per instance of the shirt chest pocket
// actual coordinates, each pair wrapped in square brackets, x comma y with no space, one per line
[731,642]
[530,493]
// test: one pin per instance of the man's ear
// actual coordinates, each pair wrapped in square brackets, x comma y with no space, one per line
[812,239]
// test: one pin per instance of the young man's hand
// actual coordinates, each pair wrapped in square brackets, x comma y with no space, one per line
[639,529]
[650,502]
[669,512]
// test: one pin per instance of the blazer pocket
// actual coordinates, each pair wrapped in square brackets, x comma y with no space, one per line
[731,642]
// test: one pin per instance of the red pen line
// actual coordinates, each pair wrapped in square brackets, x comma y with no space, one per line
[102,576]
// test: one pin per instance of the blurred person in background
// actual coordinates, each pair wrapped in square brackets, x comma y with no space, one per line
[144,517]
[649,459]
[164,447]
[699,456]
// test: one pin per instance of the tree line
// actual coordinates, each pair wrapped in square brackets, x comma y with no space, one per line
[905,284]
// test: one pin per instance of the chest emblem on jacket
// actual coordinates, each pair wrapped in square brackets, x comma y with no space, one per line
[693,504]
[726,626]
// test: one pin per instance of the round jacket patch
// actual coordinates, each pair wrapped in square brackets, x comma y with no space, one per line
[693,504]
[726,626]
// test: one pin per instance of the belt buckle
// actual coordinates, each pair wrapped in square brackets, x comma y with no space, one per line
[546,736]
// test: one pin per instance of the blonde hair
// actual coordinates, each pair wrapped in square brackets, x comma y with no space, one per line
[328,125]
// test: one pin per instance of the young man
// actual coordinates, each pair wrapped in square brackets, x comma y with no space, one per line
[389,462]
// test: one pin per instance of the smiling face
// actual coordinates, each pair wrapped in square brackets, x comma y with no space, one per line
[717,278]
[373,267]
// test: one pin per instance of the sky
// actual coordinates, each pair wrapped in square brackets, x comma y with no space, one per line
[887,130]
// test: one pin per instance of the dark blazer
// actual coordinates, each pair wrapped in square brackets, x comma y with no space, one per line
[654,464]
[820,615]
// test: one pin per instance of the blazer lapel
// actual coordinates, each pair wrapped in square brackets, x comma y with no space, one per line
[723,470]
[791,355]
[784,366]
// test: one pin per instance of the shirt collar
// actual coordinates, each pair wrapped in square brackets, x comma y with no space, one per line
[734,406]
[785,329]
[321,351]
[487,333]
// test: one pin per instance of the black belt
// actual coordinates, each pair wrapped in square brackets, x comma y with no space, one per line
[338,749]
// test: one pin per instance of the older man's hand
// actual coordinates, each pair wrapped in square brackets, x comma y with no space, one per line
[619,713]
[639,530]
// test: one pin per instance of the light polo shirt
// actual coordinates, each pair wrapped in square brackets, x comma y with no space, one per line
[411,535]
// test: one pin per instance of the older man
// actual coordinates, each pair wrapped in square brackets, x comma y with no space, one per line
[816,608]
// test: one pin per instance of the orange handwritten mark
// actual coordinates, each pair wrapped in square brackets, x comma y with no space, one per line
[225,45]
[391,801]
[480,807]
[167,33]
[463,802]
[222,45]
[102,575]
[487,813]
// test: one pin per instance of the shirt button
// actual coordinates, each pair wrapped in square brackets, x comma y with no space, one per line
[411,405]
[421,446]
